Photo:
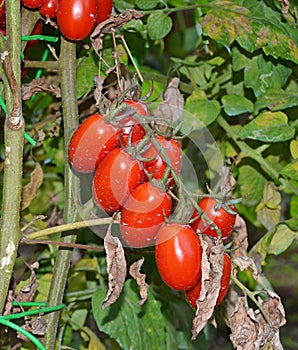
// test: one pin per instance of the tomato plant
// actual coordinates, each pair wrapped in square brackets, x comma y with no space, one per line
[143,213]
[157,167]
[222,218]
[76,18]
[92,140]
[49,8]
[178,256]
[104,9]
[33,4]
[193,294]
[115,178]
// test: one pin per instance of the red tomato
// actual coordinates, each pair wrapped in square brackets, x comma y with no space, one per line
[76,18]
[158,166]
[2,15]
[193,294]
[224,220]
[49,8]
[92,140]
[178,255]
[37,30]
[104,9]
[133,129]
[32,4]
[115,178]
[143,213]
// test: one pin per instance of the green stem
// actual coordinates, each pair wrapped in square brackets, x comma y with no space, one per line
[12,179]
[67,68]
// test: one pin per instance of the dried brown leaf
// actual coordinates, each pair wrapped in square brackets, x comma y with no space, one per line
[228,181]
[116,268]
[28,291]
[239,238]
[244,263]
[171,108]
[37,85]
[140,278]
[210,290]
[285,5]
[30,190]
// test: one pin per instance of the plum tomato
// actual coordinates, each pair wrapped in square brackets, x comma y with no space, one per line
[178,255]
[91,141]
[224,220]
[116,176]
[104,9]
[2,15]
[157,167]
[49,8]
[32,4]
[133,130]
[193,294]
[76,18]
[143,213]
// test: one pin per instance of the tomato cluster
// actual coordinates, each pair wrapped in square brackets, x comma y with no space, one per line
[134,169]
[76,18]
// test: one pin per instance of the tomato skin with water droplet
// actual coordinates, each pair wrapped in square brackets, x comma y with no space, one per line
[49,8]
[193,294]
[224,220]
[116,176]
[91,141]
[143,214]
[178,255]
[76,18]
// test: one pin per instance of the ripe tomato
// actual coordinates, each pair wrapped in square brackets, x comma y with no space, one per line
[115,178]
[37,30]
[76,18]
[193,294]
[224,220]
[143,213]
[178,255]
[92,140]
[158,166]
[104,9]
[134,130]
[2,14]
[49,8]
[32,4]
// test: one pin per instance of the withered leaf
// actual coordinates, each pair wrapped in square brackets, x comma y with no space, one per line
[28,291]
[30,190]
[239,238]
[244,263]
[285,5]
[211,287]
[116,268]
[37,85]
[171,108]
[140,278]
[228,181]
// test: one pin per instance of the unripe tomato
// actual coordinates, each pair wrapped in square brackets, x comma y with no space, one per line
[32,4]
[224,220]
[92,140]
[157,167]
[116,176]
[49,8]
[143,213]
[178,255]
[76,18]
[104,9]
[193,294]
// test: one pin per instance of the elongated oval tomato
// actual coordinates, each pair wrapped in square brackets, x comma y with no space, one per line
[104,9]
[143,213]
[92,140]
[157,167]
[32,4]
[115,178]
[224,220]
[178,255]
[49,8]
[193,294]
[76,18]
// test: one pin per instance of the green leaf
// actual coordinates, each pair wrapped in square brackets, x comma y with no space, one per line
[158,25]
[87,68]
[235,105]
[268,127]
[251,184]
[282,239]
[146,4]
[132,326]
[277,99]
[294,149]
[294,207]
[199,112]
[291,170]
[252,27]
